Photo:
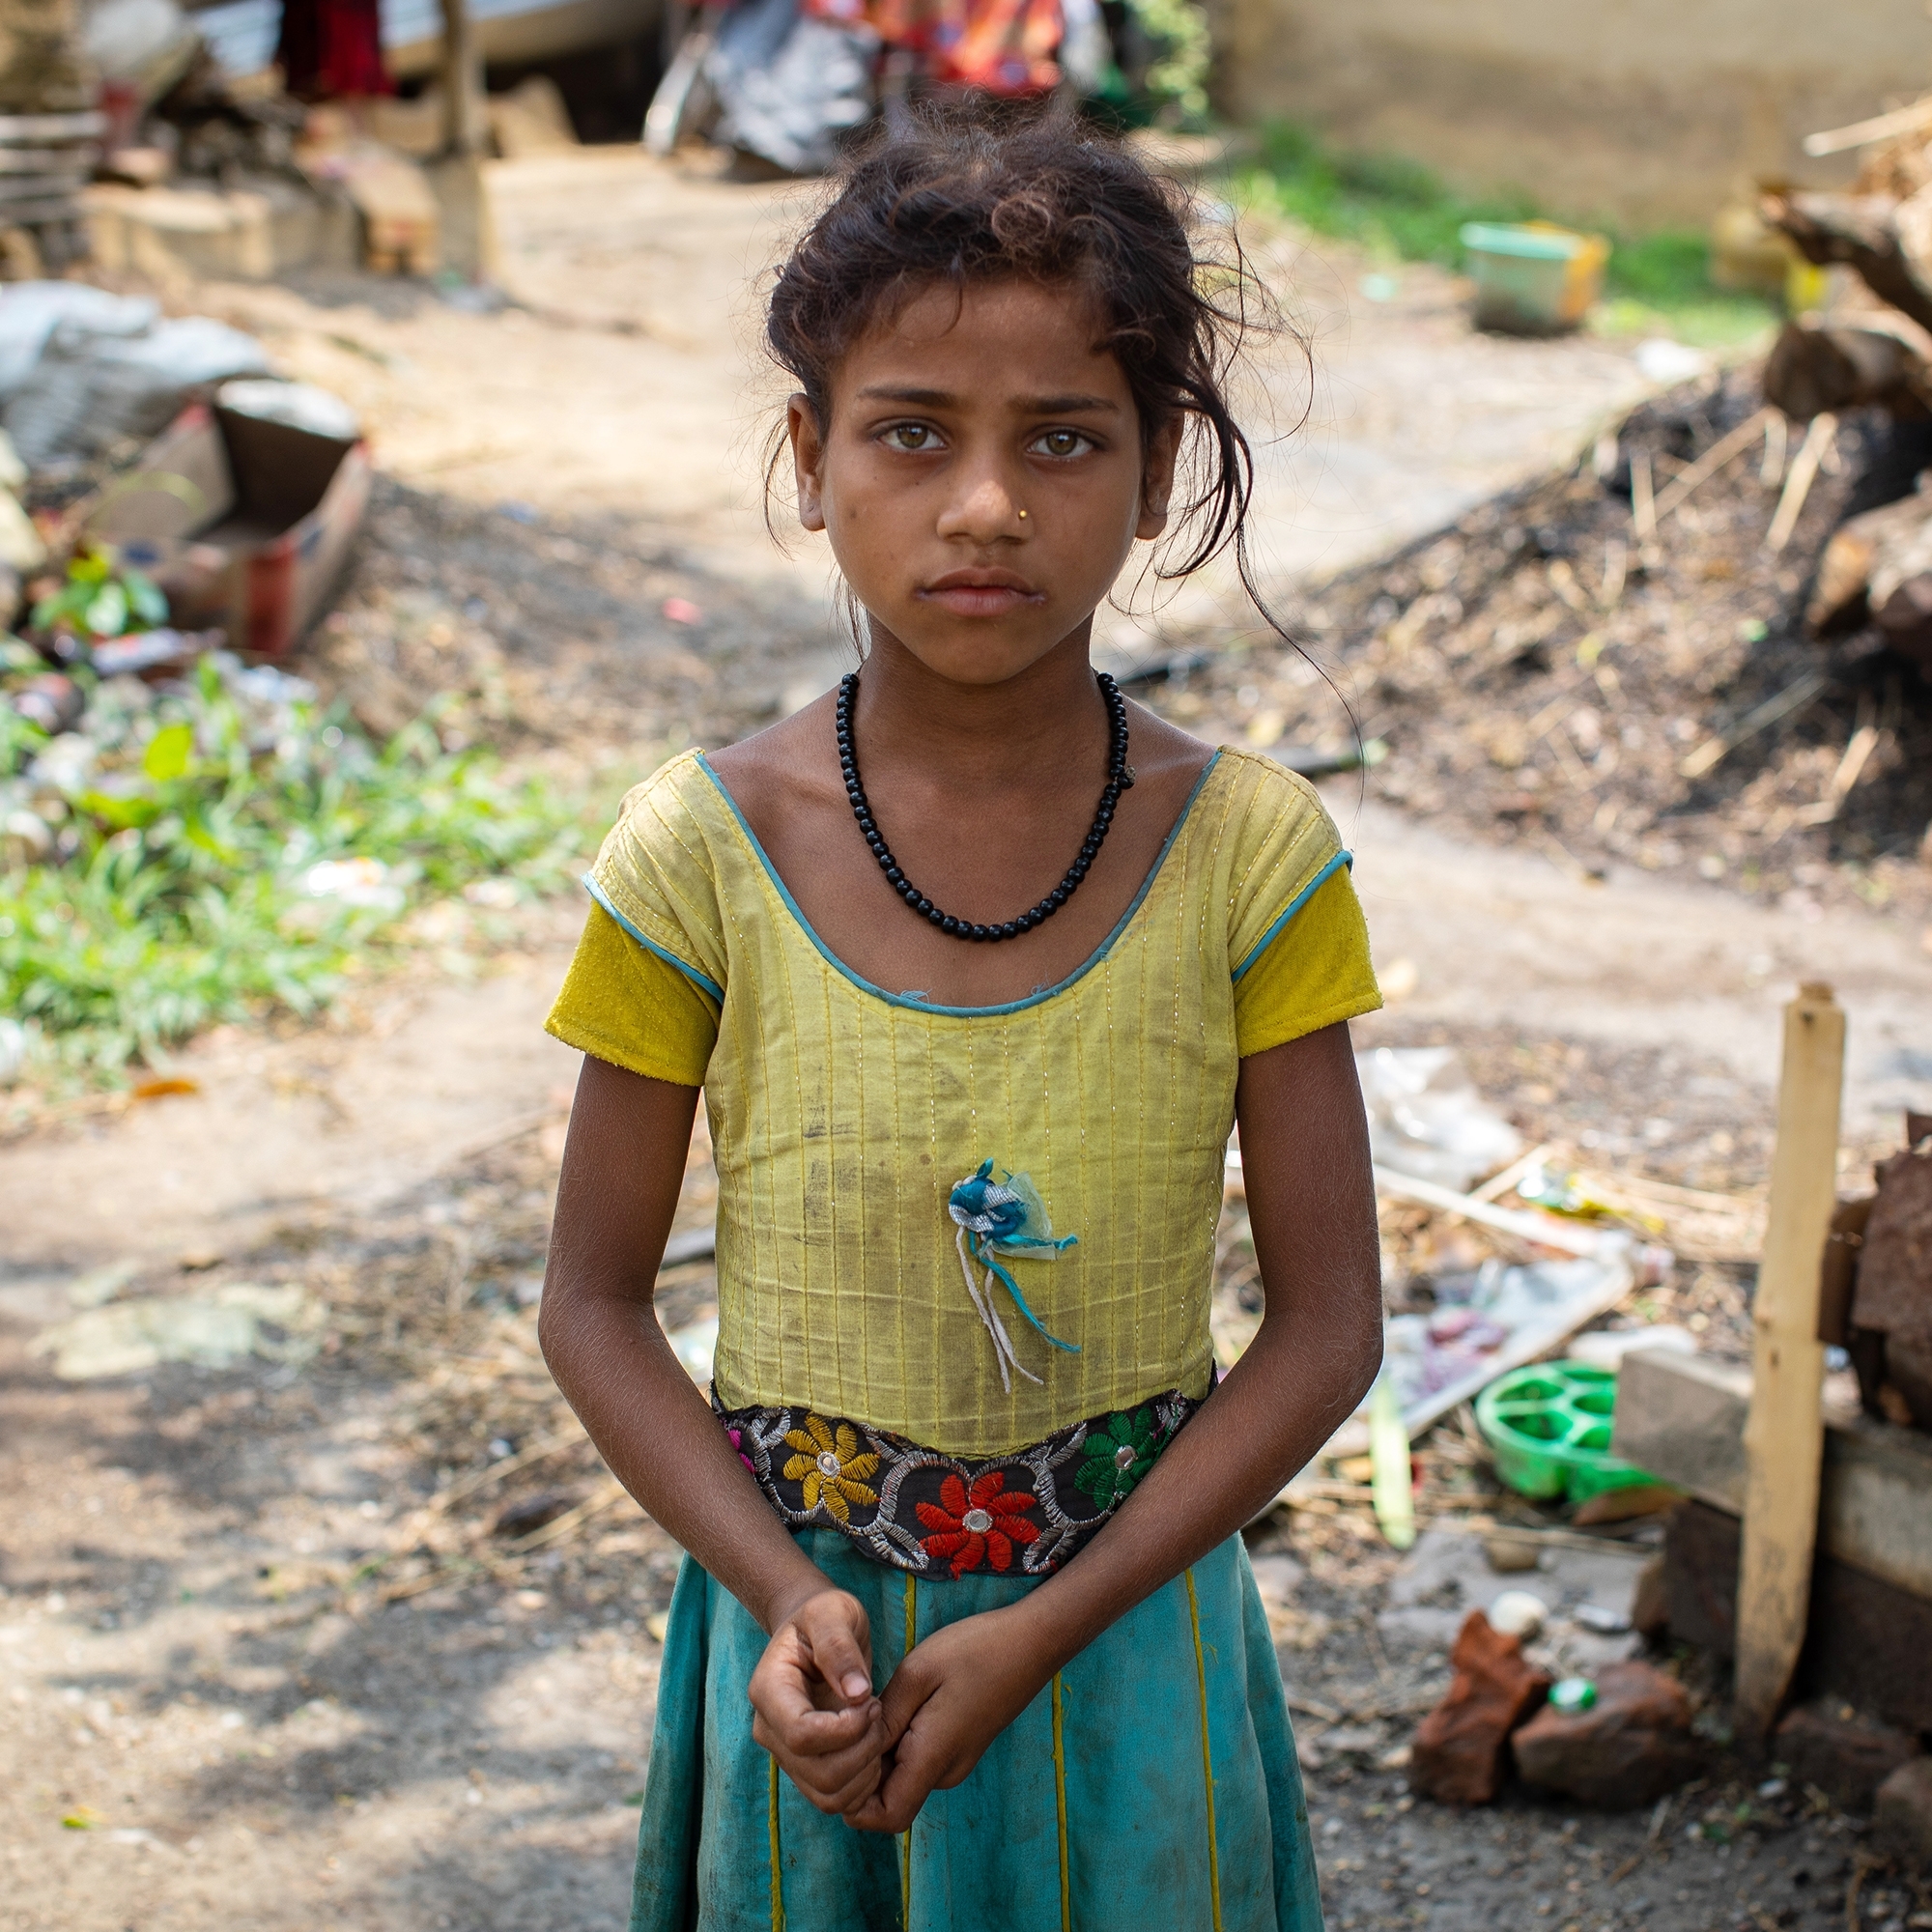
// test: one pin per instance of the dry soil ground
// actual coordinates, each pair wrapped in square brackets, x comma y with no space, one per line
[273,1651]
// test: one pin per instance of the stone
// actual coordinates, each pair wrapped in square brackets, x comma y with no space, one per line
[1902,1820]
[1650,1606]
[1630,1747]
[1828,1743]
[1460,1752]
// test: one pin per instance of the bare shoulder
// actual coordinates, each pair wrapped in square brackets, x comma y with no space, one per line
[1164,750]
[782,766]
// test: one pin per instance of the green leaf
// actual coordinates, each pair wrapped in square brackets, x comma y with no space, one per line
[106,614]
[119,812]
[145,597]
[168,753]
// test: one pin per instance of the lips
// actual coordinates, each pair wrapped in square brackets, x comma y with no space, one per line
[981,593]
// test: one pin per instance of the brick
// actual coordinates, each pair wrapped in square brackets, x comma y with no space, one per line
[1902,1821]
[1630,1747]
[1461,1754]
[1845,1755]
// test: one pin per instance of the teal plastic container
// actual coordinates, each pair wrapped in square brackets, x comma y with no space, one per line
[1533,277]
[1549,1428]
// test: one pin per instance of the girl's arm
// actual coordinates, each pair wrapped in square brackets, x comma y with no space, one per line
[1312,1205]
[623,1165]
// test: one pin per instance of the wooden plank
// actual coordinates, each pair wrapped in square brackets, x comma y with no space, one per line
[39,187]
[1785,1434]
[47,161]
[16,127]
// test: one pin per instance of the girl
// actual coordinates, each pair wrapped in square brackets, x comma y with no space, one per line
[977,964]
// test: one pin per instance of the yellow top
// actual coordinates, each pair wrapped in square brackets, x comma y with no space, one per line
[843,1117]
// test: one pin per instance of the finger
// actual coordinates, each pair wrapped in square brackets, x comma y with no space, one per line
[858,1728]
[905,1694]
[825,1770]
[894,1806]
[837,1653]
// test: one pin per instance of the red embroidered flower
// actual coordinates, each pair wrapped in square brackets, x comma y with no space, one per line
[980,1527]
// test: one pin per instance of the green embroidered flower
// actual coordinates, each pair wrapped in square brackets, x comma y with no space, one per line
[1118,1456]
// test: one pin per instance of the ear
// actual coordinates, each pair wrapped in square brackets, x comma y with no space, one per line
[1157,479]
[808,460]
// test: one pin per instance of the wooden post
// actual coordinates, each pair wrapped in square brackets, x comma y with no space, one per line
[1784,1435]
[462,80]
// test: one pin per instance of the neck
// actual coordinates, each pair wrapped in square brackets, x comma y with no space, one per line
[1039,720]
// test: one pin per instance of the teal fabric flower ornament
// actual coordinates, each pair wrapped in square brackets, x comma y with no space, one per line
[997,1218]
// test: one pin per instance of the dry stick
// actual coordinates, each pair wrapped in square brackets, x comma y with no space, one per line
[1777,443]
[571,1521]
[1723,451]
[1643,500]
[1792,697]
[1853,1887]
[1811,452]
[1851,769]
[564,1439]
[1616,568]
[1862,134]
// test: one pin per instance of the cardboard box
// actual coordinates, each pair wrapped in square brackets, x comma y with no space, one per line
[241,522]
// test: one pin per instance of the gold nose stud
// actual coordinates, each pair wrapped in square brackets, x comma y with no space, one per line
[1022,515]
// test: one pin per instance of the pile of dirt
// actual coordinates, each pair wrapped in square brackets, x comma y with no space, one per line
[1543,674]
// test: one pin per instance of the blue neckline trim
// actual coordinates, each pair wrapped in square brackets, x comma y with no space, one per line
[689,972]
[1293,906]
[839,967]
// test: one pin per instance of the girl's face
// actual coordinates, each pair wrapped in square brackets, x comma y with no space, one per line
[982,476]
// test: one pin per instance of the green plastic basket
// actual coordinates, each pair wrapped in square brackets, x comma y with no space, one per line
[1550,1427]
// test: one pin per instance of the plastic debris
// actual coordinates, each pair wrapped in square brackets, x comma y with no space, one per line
[1392,1485]
[210,1332]
[1426,1118]
[1573,1693]
[1606,1348]
[1518,1613]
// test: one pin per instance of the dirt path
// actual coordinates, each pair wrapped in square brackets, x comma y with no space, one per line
[249,1645]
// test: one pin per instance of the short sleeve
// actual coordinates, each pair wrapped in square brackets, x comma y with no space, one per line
[647,983]
[1298,945]
[621,1002]
[1313,973]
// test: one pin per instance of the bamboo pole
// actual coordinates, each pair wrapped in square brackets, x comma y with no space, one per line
[462,80]
[1785,1434]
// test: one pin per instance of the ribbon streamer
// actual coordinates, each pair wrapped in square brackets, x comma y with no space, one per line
[1011,1218]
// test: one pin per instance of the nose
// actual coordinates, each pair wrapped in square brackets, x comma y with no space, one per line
[985,509]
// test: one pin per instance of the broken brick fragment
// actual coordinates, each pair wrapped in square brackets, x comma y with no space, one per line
[1461,1754]
[1630,1747]
[1827,1744]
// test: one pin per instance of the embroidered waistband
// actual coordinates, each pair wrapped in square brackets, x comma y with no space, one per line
[938,1515]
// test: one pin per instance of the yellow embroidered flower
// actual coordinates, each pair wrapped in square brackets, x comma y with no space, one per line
[829,1466]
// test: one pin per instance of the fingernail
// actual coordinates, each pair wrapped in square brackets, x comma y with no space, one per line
[857,1686]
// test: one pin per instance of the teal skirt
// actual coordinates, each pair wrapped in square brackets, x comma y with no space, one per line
[1153,1782]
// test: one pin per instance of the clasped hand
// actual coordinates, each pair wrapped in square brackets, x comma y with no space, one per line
[875,1759]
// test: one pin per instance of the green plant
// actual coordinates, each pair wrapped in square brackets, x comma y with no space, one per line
[181,886]
[1178,78]
[103,597]
[1402,211]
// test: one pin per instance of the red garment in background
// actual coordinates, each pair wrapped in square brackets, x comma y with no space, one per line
[331,48]
[1005,46]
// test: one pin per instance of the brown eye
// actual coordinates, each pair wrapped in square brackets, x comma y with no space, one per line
[910,437]
[1061,443]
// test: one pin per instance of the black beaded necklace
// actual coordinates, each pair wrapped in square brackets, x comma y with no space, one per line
[1120,776]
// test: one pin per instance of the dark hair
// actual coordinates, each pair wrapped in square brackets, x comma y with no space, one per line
[976,192]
